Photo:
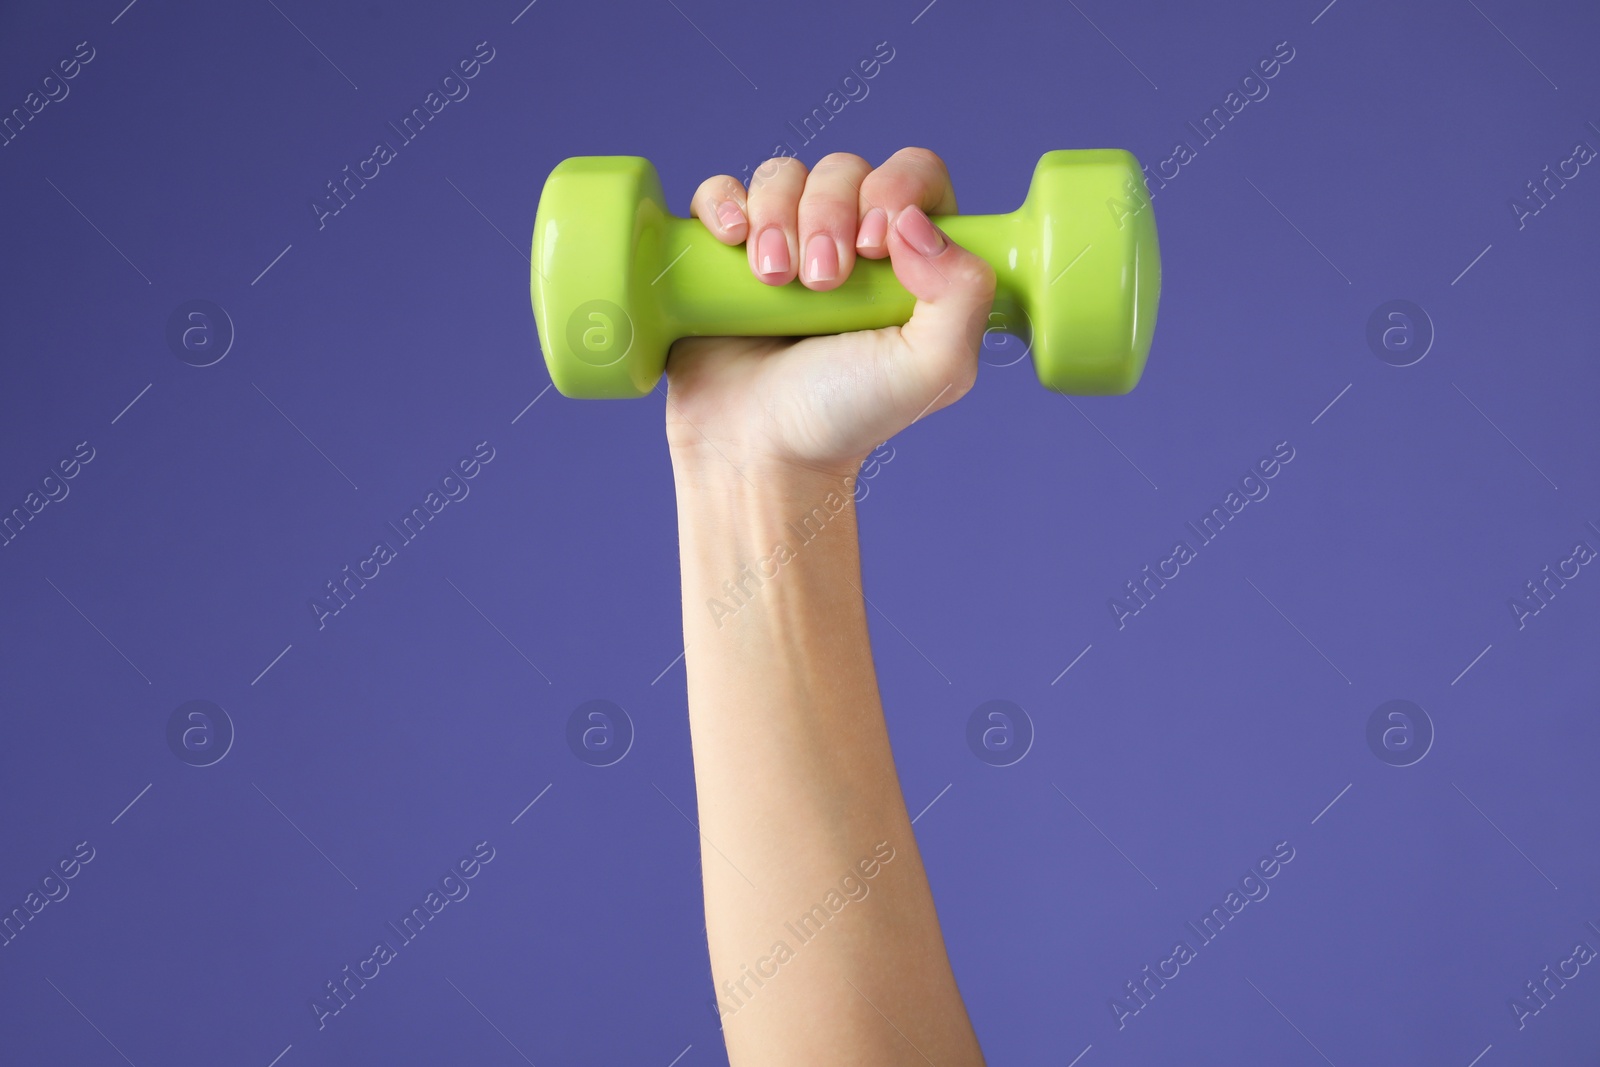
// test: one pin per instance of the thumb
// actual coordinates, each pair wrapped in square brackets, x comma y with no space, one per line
[938,358]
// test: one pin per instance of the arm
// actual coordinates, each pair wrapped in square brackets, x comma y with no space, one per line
[825,946]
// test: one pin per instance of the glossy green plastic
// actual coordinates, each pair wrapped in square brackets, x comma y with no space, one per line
[617,278]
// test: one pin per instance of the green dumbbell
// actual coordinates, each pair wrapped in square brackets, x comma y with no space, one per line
[617,278]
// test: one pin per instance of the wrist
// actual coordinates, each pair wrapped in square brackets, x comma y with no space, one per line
[744,526]
[745,478]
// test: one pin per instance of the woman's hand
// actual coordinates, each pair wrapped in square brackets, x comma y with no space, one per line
[823,403]
[794,777]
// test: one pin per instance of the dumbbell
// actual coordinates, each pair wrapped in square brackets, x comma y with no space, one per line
[617,278]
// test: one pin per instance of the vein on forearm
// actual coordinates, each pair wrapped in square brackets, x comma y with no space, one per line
[796,782]
[779,666]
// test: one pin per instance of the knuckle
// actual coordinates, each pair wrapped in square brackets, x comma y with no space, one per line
[977,275]
[887,189]
[838,160]
[831,206]
[720,187]
[956,373]
[966,374]
[834,216]
[920,159]
[778,167]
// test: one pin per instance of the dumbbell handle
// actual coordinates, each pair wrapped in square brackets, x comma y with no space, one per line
[616,278]
[704,288]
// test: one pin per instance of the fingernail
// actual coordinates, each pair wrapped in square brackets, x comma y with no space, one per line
[772,252]
[874,229]
[731,215]
[822,258]
[919,232]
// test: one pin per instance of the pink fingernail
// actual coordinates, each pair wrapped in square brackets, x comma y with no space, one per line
[919,232]
[772,252]
[874,229]
[731,215]
[822,258]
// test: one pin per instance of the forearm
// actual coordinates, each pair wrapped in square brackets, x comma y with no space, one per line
[817,906]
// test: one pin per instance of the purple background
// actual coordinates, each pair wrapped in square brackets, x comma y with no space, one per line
[1222,719]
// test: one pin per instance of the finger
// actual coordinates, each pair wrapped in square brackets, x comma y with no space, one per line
[912,176]
[938,353]
[828,217]
[774,202]
[720,204]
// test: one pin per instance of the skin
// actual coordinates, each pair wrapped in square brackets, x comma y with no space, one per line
[795,778]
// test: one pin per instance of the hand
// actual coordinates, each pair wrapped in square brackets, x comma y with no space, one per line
[823,403]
